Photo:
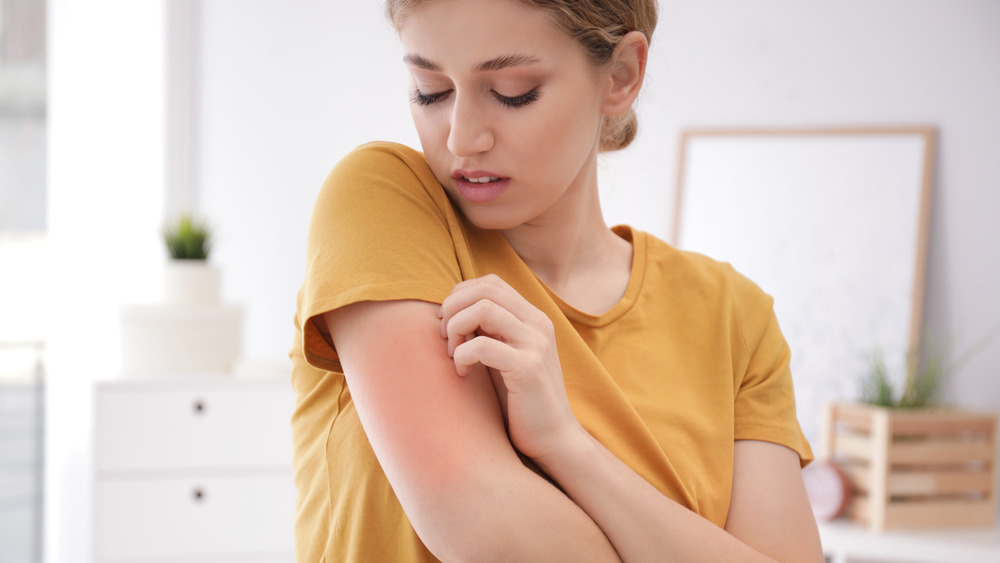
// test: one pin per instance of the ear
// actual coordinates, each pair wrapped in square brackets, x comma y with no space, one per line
[627,70]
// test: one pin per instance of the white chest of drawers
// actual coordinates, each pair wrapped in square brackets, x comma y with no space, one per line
[20,471]
[193,469]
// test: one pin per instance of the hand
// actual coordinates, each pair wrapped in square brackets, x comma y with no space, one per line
[488,322]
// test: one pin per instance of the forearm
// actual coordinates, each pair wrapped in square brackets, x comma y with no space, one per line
[515,517]
[641,523]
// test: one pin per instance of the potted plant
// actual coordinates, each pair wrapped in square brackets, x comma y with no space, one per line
[910,462]
[188,238]
[191,330]
[188,276]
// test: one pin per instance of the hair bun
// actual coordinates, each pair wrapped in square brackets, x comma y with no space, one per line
[618,131]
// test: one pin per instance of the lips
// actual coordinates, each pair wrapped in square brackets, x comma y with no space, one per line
[479,186]
[475,176]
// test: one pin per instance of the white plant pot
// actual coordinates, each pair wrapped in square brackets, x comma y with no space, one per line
[191,282]
[190,331]
[161,339]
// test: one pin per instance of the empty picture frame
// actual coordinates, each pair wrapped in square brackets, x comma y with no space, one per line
[833,224]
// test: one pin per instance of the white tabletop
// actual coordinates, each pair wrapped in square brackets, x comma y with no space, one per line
[845,541]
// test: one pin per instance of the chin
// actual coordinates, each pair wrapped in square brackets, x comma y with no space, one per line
[484,217]
[491,220]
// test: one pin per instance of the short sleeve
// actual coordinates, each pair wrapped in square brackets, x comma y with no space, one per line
[765,398]
[379,231]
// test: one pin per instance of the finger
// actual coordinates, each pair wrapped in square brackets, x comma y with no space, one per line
[488,317]
[493,288]
[500,388]
[487,351]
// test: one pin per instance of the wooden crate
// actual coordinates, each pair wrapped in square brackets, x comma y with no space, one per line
[914,468]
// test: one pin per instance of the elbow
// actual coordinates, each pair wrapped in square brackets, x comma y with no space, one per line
[471,548]
[457,525]
[497,519]
[485,539]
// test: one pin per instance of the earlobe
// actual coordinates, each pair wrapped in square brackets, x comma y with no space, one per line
[628,68]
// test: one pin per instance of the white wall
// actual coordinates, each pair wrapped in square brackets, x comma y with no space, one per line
[105,206]
[288,88]
[780,62]
[279,113]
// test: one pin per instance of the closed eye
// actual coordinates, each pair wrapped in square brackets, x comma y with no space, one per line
[516,102]
[422,99]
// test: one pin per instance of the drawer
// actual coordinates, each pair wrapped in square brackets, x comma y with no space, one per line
[184,518]
[19,424]
[192,426]
[19,485]
[19,405]
[19,534]
[19,451]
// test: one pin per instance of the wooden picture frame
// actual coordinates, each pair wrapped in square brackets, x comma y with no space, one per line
[834,224]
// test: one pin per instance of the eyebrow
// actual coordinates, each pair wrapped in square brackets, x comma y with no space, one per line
[499,63]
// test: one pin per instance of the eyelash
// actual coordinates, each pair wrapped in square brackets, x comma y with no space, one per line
[518,101]
[513,102]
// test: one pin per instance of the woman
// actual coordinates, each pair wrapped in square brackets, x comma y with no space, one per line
[486,371]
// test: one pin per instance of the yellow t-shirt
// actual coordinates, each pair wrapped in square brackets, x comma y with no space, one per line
[688,361]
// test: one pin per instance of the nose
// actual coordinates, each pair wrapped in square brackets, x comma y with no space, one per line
[470,131]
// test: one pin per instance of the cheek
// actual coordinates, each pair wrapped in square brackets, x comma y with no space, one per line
[433,134]
[570,112]
[566,128]
[427,127]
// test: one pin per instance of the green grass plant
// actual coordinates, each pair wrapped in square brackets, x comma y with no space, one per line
[925,378]
[188,238]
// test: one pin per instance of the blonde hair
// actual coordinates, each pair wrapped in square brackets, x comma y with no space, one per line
[598,25]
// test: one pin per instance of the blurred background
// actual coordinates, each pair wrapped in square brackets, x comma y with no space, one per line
[115,114]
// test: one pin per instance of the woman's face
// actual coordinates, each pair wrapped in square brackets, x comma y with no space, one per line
[508,108]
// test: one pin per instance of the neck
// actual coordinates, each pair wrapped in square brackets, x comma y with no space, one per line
[572,240]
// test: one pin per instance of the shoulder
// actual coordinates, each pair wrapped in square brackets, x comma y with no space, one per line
[703,283]
[698,271]
[382,160]
[385,152]
[379,174]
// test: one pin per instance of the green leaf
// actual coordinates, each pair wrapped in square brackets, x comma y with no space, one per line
[187,238]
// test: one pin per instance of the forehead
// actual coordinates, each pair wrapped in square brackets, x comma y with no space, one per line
[460,34]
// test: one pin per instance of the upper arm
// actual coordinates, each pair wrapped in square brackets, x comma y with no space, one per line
[426,424]
[441,441]
[769,509]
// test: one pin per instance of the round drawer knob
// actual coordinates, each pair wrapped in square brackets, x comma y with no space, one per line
[198,494]
[199,406]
